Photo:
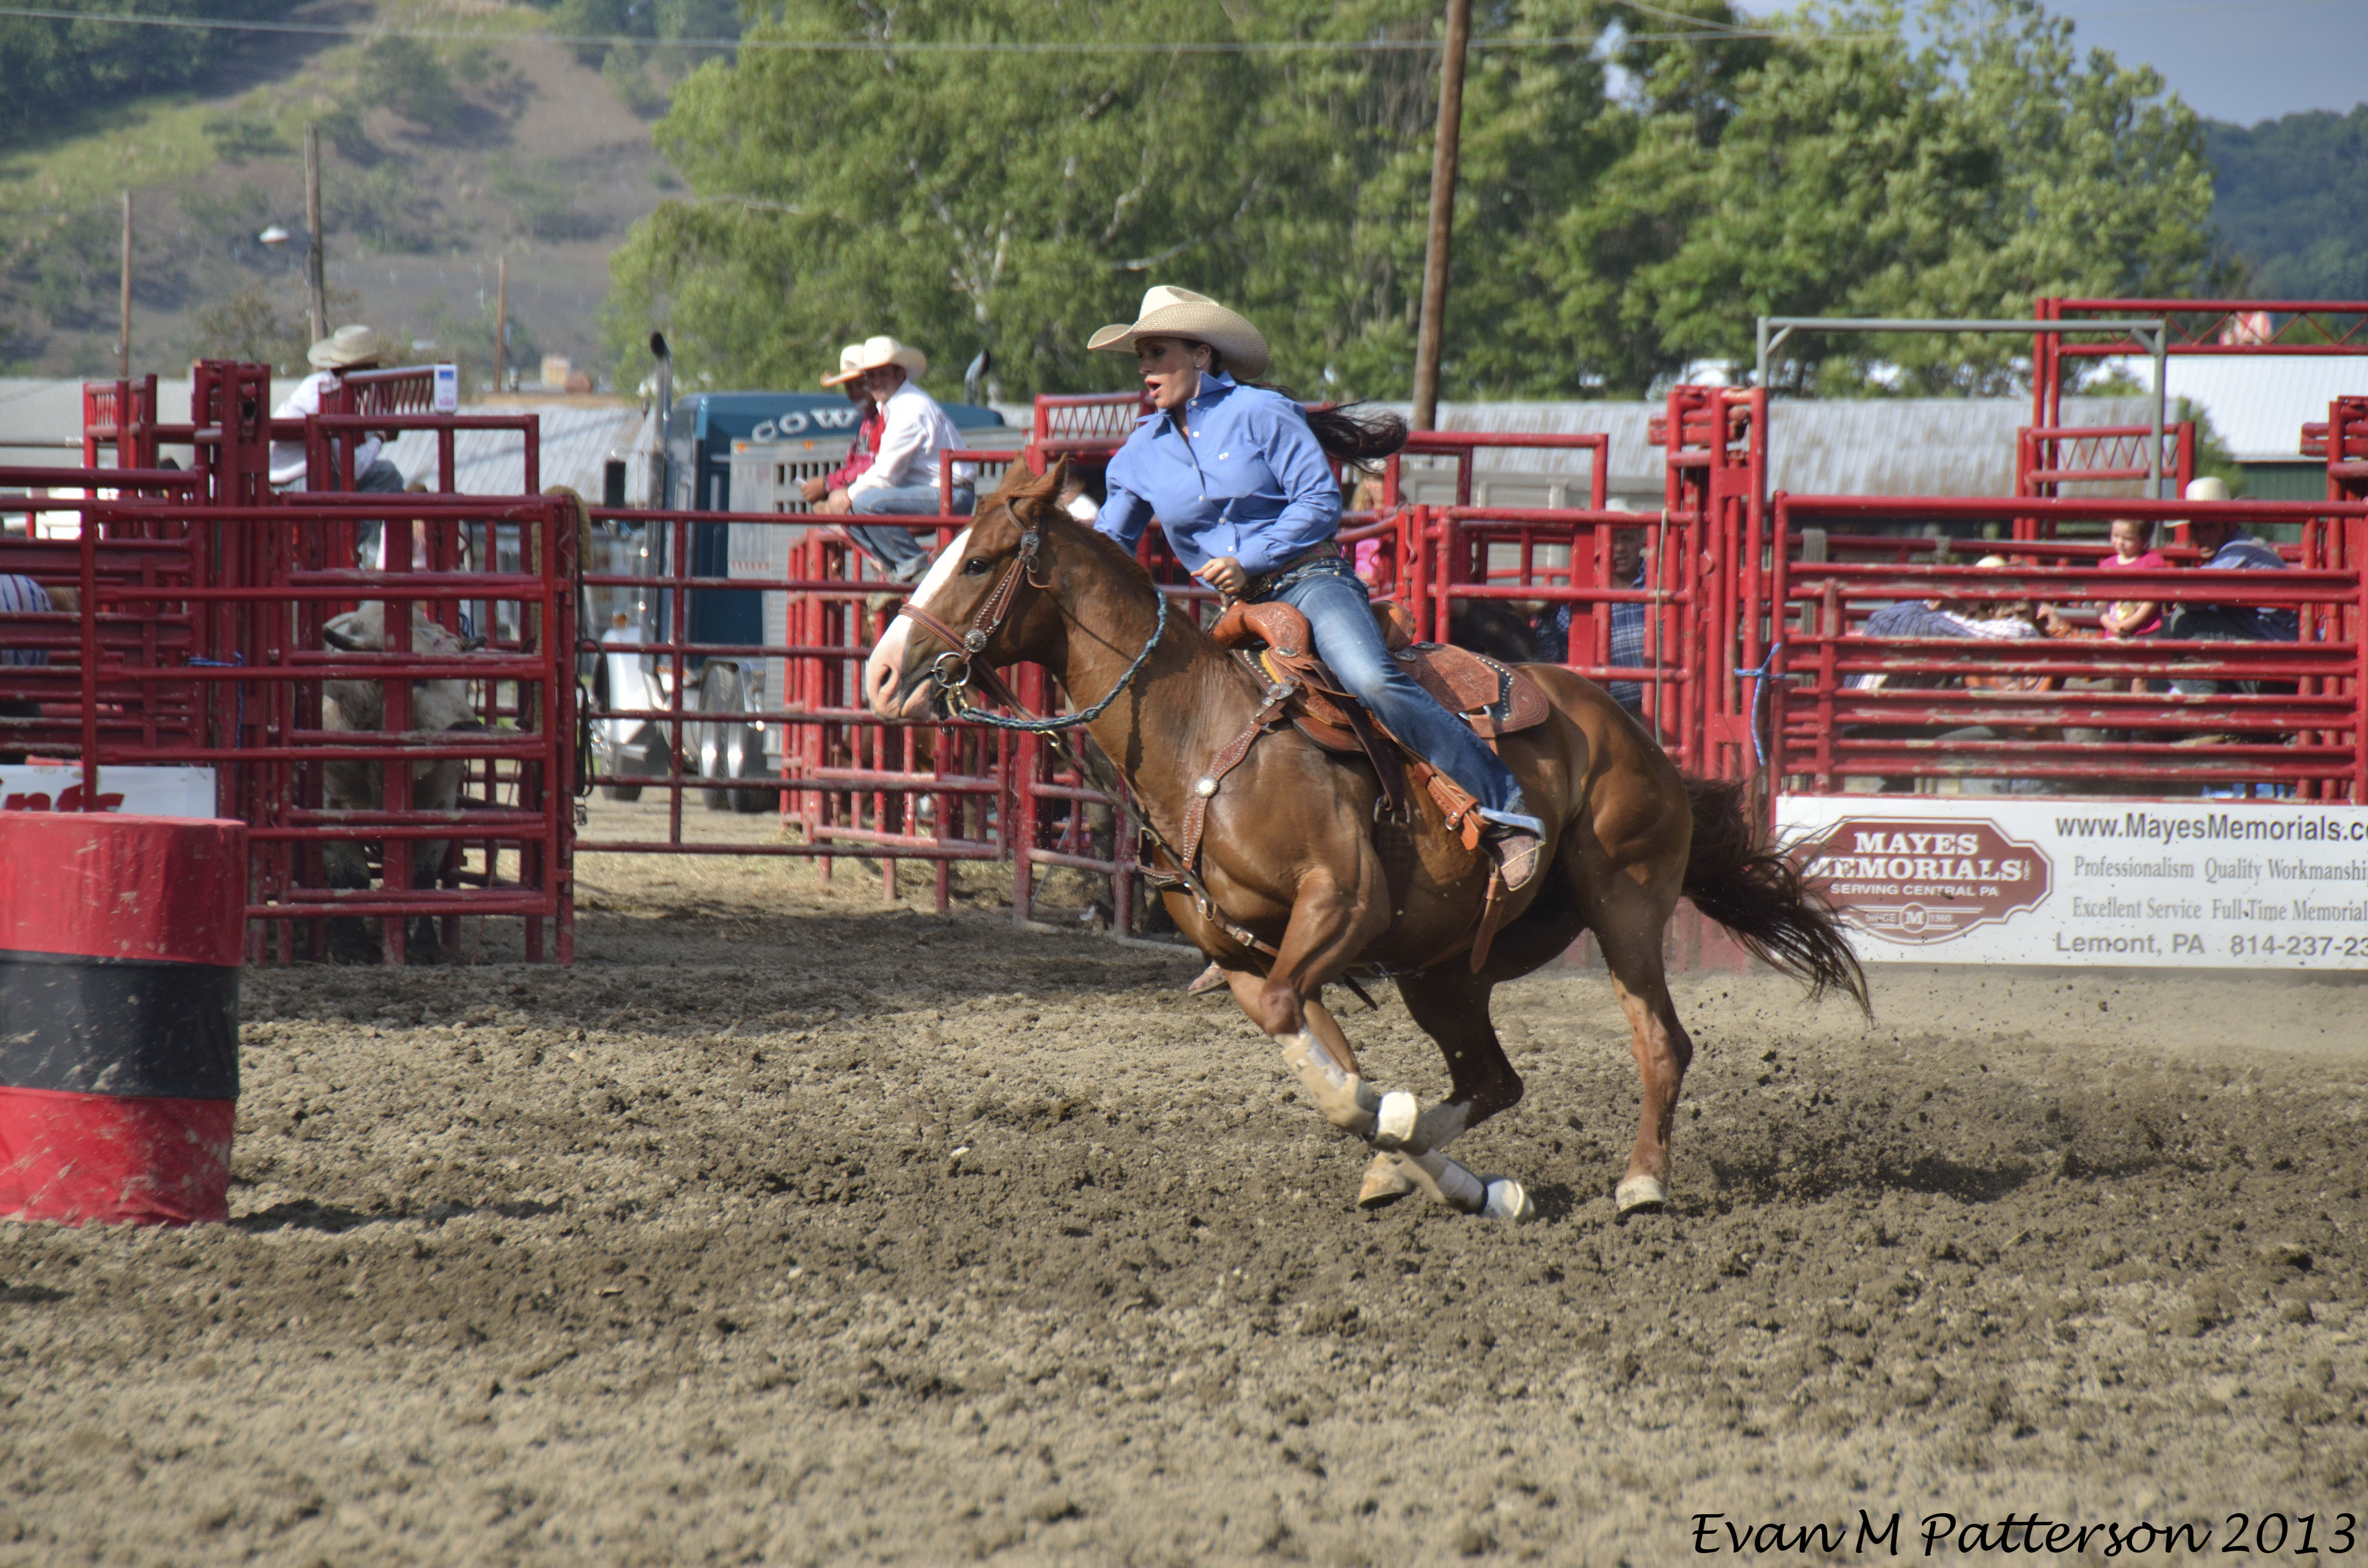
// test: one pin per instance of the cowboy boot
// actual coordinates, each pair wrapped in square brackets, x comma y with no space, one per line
[1516,840]
[1516,851]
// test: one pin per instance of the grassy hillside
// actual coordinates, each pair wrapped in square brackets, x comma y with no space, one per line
[438,157]
[2292,202]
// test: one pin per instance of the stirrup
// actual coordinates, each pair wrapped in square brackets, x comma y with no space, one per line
[1517,852]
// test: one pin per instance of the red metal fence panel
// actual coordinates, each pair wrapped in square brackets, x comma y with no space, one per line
[2140,715]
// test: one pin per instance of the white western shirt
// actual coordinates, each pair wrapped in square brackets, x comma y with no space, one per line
[287,457]
[915,431]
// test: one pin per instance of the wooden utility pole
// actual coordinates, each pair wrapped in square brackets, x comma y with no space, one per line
[1442,216]
[124,342]
[314,276]
[501,324]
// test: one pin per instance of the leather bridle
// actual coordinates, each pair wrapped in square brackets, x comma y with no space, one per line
[954,671]
[962,651]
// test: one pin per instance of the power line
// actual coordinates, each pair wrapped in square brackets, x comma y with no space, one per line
[873,46]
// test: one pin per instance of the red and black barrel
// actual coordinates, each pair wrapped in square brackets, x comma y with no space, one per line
[119,949]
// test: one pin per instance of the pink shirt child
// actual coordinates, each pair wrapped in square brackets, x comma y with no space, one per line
[2145,561]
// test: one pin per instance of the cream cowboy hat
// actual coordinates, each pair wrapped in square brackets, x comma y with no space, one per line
[2211,487]
[876,352]
[1179,313]
[850,359]
[346,345]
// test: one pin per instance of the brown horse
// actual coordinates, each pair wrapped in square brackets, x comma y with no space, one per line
[1294,857]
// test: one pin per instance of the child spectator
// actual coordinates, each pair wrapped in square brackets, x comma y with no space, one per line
[2133,551]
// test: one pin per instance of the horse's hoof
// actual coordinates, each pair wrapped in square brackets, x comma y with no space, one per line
[1639,1192]
[1385,1183]
[1209,980]
[1393,1123]
[1508,1200]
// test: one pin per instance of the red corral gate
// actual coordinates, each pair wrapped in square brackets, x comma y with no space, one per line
[200,639]
[197,639]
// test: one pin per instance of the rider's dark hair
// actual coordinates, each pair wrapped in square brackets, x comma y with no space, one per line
[1360,440]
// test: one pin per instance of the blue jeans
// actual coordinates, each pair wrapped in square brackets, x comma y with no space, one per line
[892,547]
[1339,610]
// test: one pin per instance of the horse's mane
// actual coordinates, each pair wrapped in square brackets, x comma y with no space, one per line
[1097,540]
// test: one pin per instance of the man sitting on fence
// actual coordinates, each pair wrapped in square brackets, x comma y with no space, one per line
[346,349]
[903,478]
[2228,548]
[827,493]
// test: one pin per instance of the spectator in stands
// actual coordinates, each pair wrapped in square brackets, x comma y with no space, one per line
[903,478]
[827,493]
[1367,495]
[1936,618]
[22,596]
[1552,628]
[2228,548]
[2133,551]
[1941,617]
[348,349]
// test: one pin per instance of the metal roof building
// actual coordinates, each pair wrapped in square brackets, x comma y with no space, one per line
[577,442]
[2258,402]
[1852,447]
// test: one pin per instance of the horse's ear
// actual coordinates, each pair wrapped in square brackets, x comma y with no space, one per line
[1022,489]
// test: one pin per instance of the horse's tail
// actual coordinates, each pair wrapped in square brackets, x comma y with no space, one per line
[1739,879]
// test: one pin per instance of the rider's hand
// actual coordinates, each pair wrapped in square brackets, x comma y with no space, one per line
[815,489]
[1224,573]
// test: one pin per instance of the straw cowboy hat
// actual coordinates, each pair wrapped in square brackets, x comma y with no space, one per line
[877,353]
[345,347]
[1179,313]
[2211,487]
[850,362]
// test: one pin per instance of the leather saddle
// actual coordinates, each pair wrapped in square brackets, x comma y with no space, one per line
[1494,699]
[1276,641]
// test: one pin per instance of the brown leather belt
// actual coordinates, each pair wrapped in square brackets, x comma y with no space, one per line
[1263,584]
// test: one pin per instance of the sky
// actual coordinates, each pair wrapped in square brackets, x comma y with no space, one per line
[2236,60]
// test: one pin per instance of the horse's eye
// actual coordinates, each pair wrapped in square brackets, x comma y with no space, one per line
[975,566]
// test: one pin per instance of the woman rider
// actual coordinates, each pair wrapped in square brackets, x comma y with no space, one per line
[1239,477]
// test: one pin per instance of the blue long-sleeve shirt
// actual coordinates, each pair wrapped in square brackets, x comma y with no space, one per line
[1252,483]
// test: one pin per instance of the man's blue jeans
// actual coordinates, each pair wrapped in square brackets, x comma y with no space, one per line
[892,547]
[1340,612]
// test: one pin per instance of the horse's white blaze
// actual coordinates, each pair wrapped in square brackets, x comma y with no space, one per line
[883,671]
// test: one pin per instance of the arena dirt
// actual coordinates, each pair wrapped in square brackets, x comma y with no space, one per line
[789,1228]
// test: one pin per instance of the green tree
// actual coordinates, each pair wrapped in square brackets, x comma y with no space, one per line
[2293,203]
[1859,174]
[403,75]
[51,69]
[1017,201]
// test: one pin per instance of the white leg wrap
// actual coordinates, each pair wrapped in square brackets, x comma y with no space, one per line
[1341,1095]
[1508,1200]
[1395,1125]
[1456,1186]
